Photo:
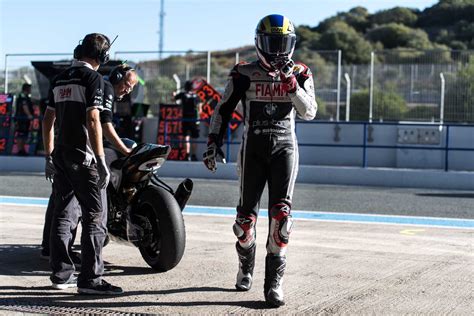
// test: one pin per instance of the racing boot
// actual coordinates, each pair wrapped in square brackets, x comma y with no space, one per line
[246,264]
[272,288]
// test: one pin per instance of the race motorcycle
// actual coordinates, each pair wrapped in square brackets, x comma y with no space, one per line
[142,209]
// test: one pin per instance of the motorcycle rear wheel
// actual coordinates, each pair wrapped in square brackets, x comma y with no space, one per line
[169,237]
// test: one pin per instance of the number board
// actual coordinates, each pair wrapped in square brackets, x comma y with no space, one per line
[210,97]
[170,130]
[6,104]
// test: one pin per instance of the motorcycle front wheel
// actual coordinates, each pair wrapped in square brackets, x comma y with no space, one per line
[168,238]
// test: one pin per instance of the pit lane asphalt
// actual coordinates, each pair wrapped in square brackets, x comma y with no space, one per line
[307,197]
[333,267]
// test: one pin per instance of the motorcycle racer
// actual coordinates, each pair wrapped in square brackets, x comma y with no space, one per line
[273,90]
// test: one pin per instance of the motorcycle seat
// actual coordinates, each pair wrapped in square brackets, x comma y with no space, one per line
[162,150]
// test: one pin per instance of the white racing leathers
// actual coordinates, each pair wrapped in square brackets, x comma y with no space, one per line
[269,150]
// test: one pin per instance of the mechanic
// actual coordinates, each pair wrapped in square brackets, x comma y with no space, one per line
[76,99]
[120,82]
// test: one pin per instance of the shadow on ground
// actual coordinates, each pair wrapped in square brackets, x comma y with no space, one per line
[36,296]
[448,195]
[25,260]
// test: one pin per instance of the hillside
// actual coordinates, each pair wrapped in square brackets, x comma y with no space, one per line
[417,45]
[449,24]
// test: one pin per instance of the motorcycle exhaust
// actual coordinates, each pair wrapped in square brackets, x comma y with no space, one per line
[183,192]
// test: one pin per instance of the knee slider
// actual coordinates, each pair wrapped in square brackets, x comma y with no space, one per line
[244,230]
[281,224]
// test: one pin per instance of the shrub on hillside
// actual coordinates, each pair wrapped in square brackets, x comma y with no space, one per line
[387,106]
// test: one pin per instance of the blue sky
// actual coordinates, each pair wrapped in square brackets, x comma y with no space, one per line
[56,26]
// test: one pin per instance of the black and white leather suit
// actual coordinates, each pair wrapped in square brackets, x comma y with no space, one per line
[269,149]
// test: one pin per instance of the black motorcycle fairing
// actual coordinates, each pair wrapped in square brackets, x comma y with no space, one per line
[142,160]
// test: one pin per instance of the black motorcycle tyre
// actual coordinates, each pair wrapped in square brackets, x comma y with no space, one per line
[169,236]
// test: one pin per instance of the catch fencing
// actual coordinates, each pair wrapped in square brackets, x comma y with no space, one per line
[18,70]
[397,85]
[163,76]
[410,85]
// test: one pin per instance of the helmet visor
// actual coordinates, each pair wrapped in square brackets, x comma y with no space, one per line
[276,44]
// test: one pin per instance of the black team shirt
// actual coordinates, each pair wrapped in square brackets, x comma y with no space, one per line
[75,91]
[106,116]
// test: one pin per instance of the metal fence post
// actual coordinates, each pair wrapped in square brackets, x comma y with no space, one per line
[371,92]
[186,71]
[6,74]
[178,82]
[339,66]
[208,66]
[412,82]
[348,96]
[441,106]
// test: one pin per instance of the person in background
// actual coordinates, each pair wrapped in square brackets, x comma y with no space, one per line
[273,90]
[191,105]
[23,117]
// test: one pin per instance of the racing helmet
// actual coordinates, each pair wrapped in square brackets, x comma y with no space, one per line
[275,39]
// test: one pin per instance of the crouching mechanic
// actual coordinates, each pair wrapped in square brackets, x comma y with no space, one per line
[273,90]
[121,81]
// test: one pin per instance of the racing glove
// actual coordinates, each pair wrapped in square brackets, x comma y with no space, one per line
[49,169]
[287,77]
[285,67]
[104,174]
[289,83]
[213,155]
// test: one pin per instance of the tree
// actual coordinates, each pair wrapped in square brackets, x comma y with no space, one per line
[344,37]
[422,113]
[447,12]
[357,17]
[388,105]
[306,37]
[322,113]
[438,54]
[326,24]
[464,31]
[459,98]
[395,35]
[397,15]
[322,70]
[159,90]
